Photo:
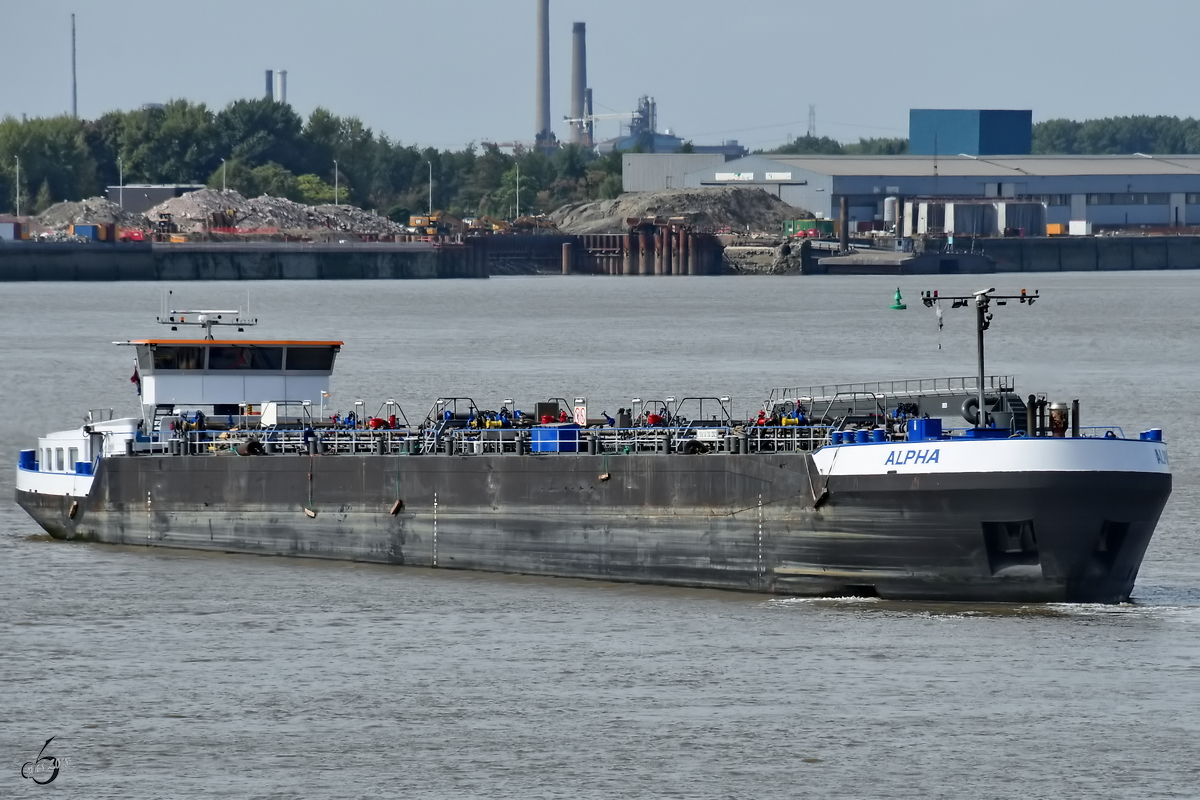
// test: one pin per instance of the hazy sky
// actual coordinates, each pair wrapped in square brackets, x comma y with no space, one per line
[449,73]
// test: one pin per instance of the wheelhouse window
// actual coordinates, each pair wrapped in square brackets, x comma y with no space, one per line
[310,358]
[253,358]
[59,464]
[172,357]
[72,458]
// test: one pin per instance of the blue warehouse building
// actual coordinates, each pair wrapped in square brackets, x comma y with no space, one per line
[933,132]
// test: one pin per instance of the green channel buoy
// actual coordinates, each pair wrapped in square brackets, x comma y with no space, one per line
[898,304]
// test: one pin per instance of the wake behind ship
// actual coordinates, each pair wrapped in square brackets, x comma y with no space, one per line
[861,489]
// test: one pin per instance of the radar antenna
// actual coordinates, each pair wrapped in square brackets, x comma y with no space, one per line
[983,320]
[206,318]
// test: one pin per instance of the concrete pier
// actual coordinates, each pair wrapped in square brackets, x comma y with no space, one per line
[70,261]
[646,250]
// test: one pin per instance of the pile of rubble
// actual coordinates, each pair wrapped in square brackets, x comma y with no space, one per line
[196,211]
[93,211]
[715,210]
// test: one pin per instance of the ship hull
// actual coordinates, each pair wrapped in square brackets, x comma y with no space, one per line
[756,522]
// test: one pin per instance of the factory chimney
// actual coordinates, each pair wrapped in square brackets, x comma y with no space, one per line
[543,136]
[281,86]
[270,85]
[578,82]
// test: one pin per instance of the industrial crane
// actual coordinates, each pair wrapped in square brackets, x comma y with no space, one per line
[592,117]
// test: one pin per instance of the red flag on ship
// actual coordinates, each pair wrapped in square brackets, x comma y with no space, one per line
[136,380]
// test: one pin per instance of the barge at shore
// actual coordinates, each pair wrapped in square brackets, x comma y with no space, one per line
[857,489]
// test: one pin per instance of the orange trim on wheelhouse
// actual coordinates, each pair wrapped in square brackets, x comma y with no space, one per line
[238,342]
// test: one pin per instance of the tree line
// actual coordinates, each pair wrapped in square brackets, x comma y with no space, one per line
[825,146]
[264,147]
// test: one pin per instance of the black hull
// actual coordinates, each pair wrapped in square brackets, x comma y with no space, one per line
[748,522]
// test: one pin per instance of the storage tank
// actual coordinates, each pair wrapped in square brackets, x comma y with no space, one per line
[889,209]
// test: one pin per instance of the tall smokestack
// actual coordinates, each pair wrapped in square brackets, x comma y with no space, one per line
[281,86]
[270,84]
[74,84]
[578,81]
[542,122]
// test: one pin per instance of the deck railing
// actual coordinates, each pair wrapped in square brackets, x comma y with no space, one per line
[519,441]
[914,387]
[494,441]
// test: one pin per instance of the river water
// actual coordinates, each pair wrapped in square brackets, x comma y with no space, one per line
[192,675]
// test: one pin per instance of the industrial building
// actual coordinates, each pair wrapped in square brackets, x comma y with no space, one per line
[933,132]
[641,132]
[652,172]
[1106,191]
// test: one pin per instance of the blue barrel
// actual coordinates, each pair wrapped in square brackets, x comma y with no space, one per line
[27,460]
[1152,435]
[862,435]
[835,437]
[879,435]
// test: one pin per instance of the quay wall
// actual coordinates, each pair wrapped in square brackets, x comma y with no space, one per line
[1091,253]
[69,261]
[1031,254]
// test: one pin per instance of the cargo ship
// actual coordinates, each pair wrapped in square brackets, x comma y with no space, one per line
[864,489]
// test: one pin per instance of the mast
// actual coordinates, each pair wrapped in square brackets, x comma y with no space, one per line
[206,318]
[983,320]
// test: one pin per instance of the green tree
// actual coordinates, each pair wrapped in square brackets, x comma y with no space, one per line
[878,147]
[258,131]
[180,143]
[43,199]
[103,139]
[1056,136]
[314,191]
[276,181]
[321,137]
[810,145]
[53,152]
[1118,136]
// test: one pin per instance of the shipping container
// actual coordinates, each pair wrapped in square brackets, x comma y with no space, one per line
[1056,229]
[799,227]
[14,231]
[86,231]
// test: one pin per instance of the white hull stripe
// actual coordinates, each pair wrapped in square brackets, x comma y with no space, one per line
[993,455]
[65,484]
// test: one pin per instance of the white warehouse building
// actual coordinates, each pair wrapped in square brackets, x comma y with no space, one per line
[1107,191]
